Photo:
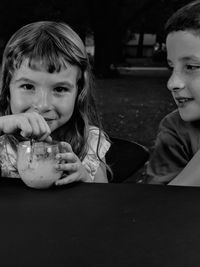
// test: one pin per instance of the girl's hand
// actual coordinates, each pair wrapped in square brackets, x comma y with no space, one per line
[31,124]
[71,166]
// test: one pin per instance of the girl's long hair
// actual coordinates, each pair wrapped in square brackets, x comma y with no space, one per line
[54,43]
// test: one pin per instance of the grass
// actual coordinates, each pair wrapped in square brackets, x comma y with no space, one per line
[131,107]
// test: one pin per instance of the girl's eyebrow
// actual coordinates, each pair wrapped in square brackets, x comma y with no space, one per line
[62,83]
[22,79]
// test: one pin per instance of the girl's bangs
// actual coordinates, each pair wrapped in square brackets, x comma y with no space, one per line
[50,63]
[43,57]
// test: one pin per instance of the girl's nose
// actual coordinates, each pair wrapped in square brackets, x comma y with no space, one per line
[175,82]
[42,101]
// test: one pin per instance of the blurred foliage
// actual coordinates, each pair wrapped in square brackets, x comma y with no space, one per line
[108,20]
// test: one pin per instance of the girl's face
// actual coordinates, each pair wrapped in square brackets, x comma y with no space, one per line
[52,95]
[183,52]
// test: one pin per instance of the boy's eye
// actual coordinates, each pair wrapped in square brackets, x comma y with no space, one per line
[27,86]
[192,67]
[61,89]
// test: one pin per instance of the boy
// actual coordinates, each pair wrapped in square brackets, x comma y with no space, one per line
[176,158]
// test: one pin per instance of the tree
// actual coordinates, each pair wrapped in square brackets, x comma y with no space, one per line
[109,21]
[104,17]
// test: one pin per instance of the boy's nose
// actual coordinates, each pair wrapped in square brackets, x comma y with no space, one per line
[42,101]
[175,82]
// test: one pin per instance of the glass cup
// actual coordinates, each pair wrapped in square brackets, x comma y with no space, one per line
[35,163]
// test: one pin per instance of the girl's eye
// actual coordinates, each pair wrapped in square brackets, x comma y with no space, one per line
[61,90]
[27,86]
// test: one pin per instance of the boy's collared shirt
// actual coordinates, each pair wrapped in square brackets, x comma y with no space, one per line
[177,142]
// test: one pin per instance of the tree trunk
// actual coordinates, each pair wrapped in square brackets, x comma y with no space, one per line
[140,45]
[107,35]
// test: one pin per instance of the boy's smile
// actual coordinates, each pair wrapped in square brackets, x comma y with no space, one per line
[183,52]
[52,95]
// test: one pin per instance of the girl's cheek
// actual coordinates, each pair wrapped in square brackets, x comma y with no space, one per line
[20,104]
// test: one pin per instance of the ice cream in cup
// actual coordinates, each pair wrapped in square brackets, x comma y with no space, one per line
[36,163]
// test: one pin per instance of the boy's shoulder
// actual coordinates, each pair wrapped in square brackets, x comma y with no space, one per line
[173,117]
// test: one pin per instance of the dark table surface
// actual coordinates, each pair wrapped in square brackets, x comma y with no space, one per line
[99,225]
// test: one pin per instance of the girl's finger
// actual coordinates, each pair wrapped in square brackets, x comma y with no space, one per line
[71,167]
[67,180]
[25,127]
[36,131]
[40,126]
[65,147]
[44,125]
[47,139]
[68,157]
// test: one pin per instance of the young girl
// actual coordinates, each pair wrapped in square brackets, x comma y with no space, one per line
[46,93]
[176,158]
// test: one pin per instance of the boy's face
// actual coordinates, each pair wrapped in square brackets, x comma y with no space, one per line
[183,53]
[52,95]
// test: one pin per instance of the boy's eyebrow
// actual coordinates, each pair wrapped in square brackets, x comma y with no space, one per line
[185,58]
[191,57]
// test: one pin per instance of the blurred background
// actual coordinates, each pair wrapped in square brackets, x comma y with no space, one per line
[125,41]
[114,31]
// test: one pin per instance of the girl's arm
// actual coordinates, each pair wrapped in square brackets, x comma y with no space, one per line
[29,124]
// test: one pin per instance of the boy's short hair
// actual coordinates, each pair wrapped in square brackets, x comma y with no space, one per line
[186,18]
